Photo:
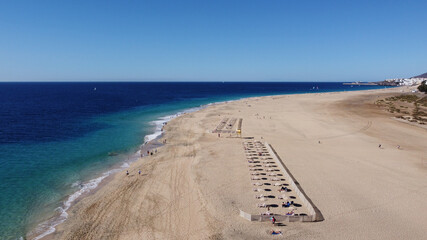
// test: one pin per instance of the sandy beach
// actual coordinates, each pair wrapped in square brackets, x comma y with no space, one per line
[197,183]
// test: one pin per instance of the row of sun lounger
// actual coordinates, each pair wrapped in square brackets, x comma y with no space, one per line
[264,172]
[226,126]
[221,125]
[231,123]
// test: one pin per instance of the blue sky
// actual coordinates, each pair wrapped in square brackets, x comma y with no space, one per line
[230,40]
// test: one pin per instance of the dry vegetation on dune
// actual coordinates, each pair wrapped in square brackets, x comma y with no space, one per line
[410,107]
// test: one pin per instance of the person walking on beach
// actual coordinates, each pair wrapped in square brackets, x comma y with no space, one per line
[127,173]
[273,220]
[139,172]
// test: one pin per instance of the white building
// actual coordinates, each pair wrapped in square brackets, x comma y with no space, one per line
[407,81]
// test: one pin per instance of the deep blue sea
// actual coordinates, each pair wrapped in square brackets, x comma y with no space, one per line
[55,137]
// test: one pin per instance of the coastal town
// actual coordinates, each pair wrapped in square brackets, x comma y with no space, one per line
[412,81]
[404,81]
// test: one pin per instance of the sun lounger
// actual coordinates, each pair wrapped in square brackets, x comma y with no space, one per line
[259,196]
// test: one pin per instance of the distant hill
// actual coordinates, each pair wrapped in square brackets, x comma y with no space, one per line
[421,76]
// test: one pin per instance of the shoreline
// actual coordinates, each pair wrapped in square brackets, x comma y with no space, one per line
[45,228]
[87,188]
[193,188]
[105,180]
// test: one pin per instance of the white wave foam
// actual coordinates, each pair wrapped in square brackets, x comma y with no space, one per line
[76,184]
[125,165]
[49,226]
[163,120]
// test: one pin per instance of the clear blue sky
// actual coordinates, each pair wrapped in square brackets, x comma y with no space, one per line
[265,40]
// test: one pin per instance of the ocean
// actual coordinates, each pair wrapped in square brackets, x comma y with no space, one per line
[57,139]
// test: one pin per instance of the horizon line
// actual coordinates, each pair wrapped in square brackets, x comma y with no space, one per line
[172,81]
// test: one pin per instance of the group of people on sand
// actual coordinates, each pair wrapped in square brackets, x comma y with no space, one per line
[380,146]
[139,172]
[152,152]
[287,204]
[149,153]
[165,123]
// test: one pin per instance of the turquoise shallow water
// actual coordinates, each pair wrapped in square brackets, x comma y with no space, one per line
[53,146]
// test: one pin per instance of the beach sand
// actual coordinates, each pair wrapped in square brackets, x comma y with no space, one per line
[194,187]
